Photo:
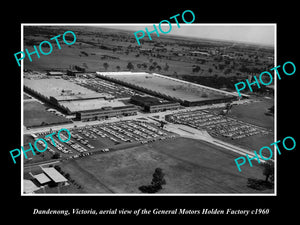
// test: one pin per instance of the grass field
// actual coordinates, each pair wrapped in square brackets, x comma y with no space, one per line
[98,45]
[252,143]
[254,113]
[190,166]
[35,114]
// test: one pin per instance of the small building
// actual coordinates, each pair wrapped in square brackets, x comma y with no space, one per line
[42,178]
[54,73]
[196,53]
[29,187]
[54,175]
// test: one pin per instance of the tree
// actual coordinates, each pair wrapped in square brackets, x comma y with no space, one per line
[105,65]
[196,69]
[269,171]
[156,183]
[227,71]
[57,168]
[144,65]
[118,68]
[56,155]
[151,68]
[130,66]
[158,178]
[271,109]
[43,123]
[166,67]
[67,176]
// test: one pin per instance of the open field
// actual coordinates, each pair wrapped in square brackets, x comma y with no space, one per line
[254,113]
[167,54]
[190,166]
[35,114]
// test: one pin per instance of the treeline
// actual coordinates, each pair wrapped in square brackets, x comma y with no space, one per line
[220,82]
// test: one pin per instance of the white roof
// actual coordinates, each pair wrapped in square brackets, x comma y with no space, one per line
[42,178]
[29,186]
[54,174]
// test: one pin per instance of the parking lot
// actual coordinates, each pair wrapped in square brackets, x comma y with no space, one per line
[217,125]
[103,138]
[103,86]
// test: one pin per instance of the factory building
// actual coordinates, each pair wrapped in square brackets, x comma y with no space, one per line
[151,104]
[107,112]
[171,89]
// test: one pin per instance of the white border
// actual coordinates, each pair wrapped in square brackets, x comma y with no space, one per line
[147,24]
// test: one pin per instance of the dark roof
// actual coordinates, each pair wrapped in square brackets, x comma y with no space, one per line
[148,100]
[106,109]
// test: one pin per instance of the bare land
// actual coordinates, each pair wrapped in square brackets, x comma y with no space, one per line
[191,166]
[254,113]
[35,114]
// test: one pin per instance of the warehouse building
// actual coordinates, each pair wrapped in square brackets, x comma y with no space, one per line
[54,175]
[151,104]
[107,112]
[55,73]
[76,100]
[171,89]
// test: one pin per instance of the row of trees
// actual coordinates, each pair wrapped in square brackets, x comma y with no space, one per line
[154,66]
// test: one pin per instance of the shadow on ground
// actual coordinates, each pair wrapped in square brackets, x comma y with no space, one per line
[259,184]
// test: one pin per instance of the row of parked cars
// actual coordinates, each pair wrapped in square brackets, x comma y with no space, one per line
[217,124]
[80,139]
[58,145]
[118,132]
[135,131]
[103,86]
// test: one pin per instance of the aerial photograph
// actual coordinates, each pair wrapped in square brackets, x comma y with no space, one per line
[111,116]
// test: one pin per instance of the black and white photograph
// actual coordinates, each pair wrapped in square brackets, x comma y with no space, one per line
[162,117]
[139,111]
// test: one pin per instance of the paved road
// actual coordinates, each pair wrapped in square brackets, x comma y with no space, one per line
[182,130]
[189,132]
[114,119]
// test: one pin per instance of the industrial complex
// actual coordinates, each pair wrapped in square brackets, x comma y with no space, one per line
[186,93]
[167,109]
[109,111]
[88,100]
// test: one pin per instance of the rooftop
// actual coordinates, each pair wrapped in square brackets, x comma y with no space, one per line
[54,174]
[90,104]
[168,86]
[61,89]
[42,178]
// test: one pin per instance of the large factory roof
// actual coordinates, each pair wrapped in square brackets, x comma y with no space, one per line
[168,86]
[62,89]
[90,104]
